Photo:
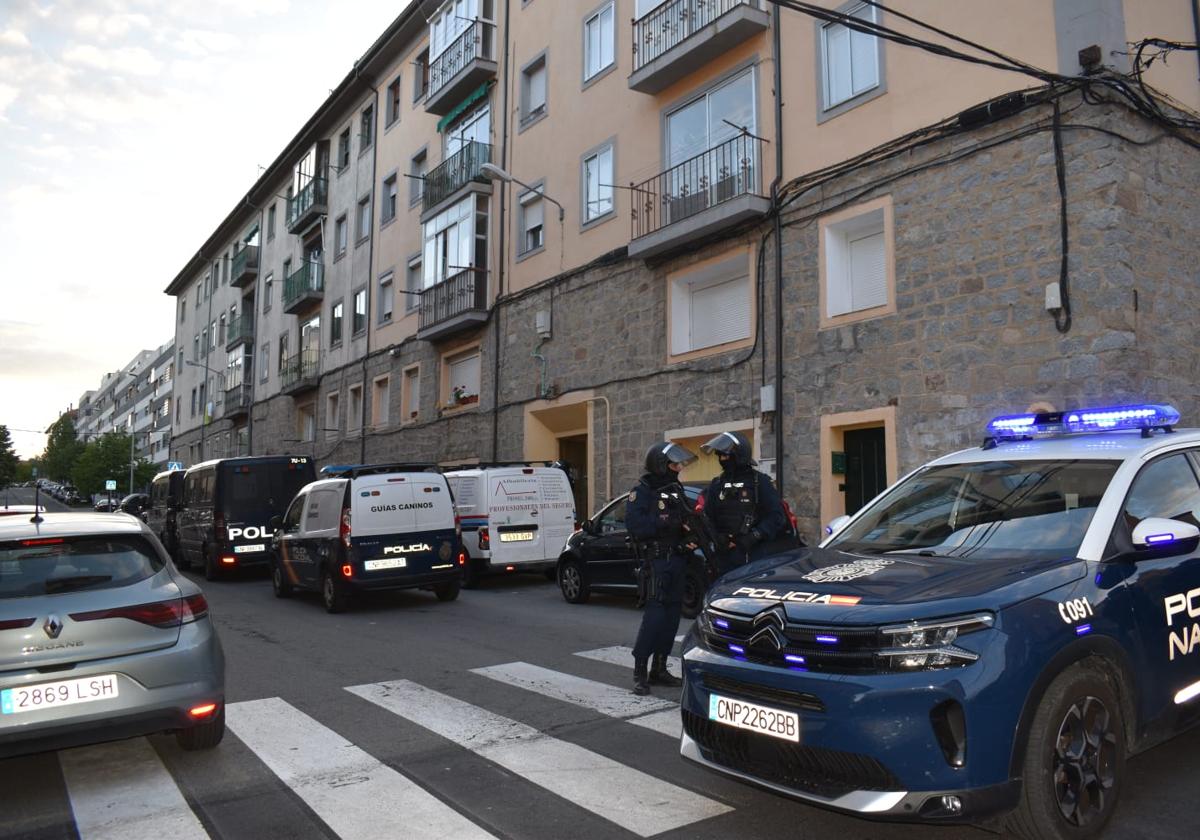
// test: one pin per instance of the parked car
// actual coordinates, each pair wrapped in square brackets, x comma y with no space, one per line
[372,528]
[101,639]
[106,505]
[166,495]
[134,504]
[18,510]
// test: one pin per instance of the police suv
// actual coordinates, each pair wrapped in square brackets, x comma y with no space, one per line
[994,633]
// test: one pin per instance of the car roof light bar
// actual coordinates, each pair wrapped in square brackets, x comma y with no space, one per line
[1143,417]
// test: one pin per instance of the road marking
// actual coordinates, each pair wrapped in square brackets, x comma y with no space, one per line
[645,711]
[633,800]
[623,656]
[122,791]
[355,794]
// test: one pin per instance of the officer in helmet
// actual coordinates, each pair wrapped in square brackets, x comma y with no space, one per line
[654,518]
[742,503]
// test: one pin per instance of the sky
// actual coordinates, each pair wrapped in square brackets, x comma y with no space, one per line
[128,130]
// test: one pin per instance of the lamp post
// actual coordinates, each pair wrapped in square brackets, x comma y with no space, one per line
[203,409]
[497,174]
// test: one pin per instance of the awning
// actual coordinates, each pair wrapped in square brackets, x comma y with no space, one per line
[456,112]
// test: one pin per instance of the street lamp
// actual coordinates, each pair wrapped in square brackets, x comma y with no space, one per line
[495,173]
[203,409]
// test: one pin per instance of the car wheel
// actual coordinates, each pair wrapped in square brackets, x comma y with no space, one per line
[448,591]
[573,581]
[333,593]
[1074,759]
[694,587]
[279,582]
[471,575]
[211,570]
[203,736]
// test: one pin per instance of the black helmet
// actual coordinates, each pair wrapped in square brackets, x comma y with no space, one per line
[732,444]
[661,455]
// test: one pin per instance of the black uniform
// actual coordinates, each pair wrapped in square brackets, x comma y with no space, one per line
[741,503]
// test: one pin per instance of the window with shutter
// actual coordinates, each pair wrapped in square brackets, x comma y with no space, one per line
[712,305]
[855,249]
[849,58]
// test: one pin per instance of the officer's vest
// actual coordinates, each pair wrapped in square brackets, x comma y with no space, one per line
[666,498]
[735,505]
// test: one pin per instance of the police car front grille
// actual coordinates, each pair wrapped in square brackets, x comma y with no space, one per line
[765,694]
[813,770]
[825,648]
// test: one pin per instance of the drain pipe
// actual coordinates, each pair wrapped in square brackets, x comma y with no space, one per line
[362,421]
[501,250]
[776,40]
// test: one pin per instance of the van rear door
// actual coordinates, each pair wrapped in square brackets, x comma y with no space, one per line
[558,511]
[530,514]
[402,521]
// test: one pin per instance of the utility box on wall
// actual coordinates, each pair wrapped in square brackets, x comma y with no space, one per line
[839,463]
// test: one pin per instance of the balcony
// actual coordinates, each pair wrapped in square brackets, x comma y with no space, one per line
[463,66]
[304,287]
[241,331]
[713,191]
[681,36]
[457,303]
[300,372]
[245,267]
[237,401]
[308,206]
[453,176]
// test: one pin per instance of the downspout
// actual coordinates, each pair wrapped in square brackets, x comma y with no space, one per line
[208,322]
[775,211]
[262,233]
[362,421]
[1196,25]
[501,248]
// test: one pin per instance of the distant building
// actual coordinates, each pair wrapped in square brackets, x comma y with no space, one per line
[134,399]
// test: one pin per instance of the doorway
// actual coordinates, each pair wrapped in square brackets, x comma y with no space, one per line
[866,466]
[574,450]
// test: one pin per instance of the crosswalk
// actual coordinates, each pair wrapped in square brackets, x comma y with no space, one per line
[124,790]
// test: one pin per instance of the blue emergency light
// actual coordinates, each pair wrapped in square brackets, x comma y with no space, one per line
[1106,419]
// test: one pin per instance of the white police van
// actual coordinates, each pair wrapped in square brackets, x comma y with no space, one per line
[386,526]
[514,517]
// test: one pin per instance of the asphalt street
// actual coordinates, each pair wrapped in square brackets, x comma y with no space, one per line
[501,714]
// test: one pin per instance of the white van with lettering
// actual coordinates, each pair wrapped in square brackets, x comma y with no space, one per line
[514,518]
[386,526]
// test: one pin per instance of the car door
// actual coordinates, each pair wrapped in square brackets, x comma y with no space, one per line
[610,554]
[293,555]
[1165,590]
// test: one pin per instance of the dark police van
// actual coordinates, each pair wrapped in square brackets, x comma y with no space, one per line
[224,522]
[166,494]
[993,634]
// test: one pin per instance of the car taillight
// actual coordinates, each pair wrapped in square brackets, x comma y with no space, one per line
[219,524]
[195,607]
[159,614]
[203,710]
[458,527]
[462,558]
[16,623]
[347,570]
[485,539]
[344,528]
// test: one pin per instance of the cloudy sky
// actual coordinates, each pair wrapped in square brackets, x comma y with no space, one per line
[128,130]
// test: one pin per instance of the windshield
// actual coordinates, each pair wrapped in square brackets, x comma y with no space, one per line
[46,567]
[260,491]
[985,510]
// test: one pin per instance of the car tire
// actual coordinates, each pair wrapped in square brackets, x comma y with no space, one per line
[203,736]
[333,594]
[211,570]
[573,582]
[448,591]
[1076,746]
[279,582]
[695,585]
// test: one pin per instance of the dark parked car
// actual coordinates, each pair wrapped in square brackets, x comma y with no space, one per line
[106,506]
[134,504]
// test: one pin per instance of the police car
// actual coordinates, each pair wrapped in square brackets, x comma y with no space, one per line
[994,633]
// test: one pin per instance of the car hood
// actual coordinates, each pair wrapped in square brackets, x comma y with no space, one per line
[826,585]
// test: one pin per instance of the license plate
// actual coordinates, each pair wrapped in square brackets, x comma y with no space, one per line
[517,536]
[31,698]
[386,563]
[249,549]
[743,715]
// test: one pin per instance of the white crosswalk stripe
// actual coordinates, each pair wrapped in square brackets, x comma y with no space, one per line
[122,791]
[355,794]
[623,795]
[649,712]
[623,656]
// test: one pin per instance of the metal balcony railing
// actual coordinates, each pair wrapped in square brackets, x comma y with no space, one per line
[308,281]
[237,399]
[240,329]
[458,293]
[455,172]
[245,265]
[300,369]
[724,172]
[673,23]
[314,194]
[475,42]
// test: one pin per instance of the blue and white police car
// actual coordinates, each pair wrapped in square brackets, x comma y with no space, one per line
[994,633]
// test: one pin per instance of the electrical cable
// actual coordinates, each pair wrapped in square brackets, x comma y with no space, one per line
[1062,317]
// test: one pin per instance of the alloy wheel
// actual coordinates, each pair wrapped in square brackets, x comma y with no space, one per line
[1085,762]
[570,581]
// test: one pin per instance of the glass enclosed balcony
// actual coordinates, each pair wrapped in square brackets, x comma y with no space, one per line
[304,286]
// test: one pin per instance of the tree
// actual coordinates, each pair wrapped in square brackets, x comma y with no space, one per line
[8,458]
[107,458]
[63,448]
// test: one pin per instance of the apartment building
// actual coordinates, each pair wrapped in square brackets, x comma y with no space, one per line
[525,229]
[136,399]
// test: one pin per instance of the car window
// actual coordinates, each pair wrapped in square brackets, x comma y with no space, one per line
[45,567]
[324,509]
[1166,488]
[291,520]
[613,519]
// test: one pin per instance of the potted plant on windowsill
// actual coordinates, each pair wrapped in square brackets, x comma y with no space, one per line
[459,397]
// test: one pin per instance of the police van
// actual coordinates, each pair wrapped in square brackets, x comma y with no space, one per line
[224,520]
[385,526]
[994,634]
[514,517]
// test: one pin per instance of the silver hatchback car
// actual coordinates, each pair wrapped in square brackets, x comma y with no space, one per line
[101,638]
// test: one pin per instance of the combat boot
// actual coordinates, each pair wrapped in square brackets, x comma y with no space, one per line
[640,685]
[659,675]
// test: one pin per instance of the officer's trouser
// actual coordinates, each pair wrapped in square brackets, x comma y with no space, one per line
[660,619]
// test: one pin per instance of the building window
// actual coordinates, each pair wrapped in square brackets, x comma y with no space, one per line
[333,416]
[264,363]
[222,338]
[597,184]
[849,59]
[306,423]
[416,184]
[343,151]
[364,218]
[533,90]
[421,75]
[341,234]
[412,284]
[283,352]
[354,408]
[380,398]
[197,295]
[711,305]
[531,218]
[360,311]
[393,102]
[711,121]
[461,385]
[267,287]
[388,211]
[212,335]
[856,263]
[336,314]
[182,310]
[195,348]
[450,242]
[410,394]
[598,41]
[366,129]
[193,402]
[386,298]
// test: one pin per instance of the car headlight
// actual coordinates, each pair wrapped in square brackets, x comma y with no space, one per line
[923,645]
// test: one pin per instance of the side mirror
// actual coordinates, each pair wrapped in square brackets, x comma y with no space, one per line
[587,526]
[276,521]
[836,524]
[1165,536]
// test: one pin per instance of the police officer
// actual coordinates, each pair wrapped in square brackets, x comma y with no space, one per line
[654,519]
[742,503]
